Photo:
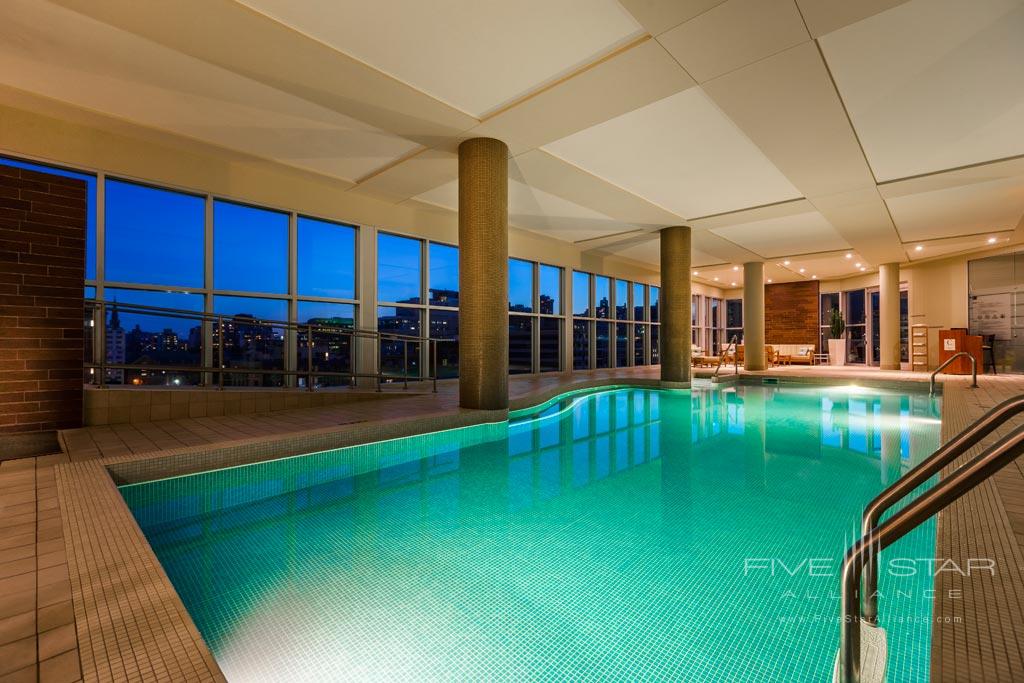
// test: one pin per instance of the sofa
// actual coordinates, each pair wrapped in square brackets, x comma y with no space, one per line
[798,354]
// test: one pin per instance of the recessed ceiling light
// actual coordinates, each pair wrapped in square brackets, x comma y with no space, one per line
[863,268]
[919,248]
[769,280]
[802,269]
[814,277]
[696,272]
[785,263]
[732,284]
[856,265]
[735,268]
[849,256]
[991,240]
[716,279]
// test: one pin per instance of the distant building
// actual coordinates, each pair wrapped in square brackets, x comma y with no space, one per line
[116,348]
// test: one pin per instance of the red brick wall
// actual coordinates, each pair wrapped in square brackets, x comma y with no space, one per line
[42,273]
[791,313]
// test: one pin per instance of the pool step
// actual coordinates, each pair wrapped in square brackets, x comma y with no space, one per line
[874,655]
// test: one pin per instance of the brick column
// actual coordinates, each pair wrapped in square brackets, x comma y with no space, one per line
[889,316]
[483,274]
[42,250]
[753,316]
[676,323]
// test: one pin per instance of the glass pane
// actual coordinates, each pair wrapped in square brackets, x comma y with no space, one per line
[639,332]
[621,299]
[655,296]
[90,198]
[621,345]
[550,289]
[399,265]
[639,307]
[153,236]
[399,357]
[828,302]
[250,248]
[580,344]
[694,302]
[655,350]
[855,345]
[332,346]
[734,313]
[550,343]
[581,294]
[520,344]
[139,337]
[327,259]
[520,286]
[444,275]
[251,340]
[444,325]
[602,296]
[603,344]
[855,311]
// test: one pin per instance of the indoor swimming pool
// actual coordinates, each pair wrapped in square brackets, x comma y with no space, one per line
[617,534]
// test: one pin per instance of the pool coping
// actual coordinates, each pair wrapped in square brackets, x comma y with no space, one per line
[129,619]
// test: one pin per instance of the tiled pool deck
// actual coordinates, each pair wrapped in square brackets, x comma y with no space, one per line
[83,597]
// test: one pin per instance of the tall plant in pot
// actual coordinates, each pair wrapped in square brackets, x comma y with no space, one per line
[837,344]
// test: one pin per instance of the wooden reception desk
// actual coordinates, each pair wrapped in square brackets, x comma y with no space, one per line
[955,340]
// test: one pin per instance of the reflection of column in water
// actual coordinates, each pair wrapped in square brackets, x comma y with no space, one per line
[890,460]
[754,438]
[676,449]
[647,425]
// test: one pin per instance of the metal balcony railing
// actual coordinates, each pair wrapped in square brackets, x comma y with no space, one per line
[244,334]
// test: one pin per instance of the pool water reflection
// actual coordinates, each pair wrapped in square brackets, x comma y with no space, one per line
[626,534]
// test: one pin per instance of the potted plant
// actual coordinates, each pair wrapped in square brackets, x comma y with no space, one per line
[837,344]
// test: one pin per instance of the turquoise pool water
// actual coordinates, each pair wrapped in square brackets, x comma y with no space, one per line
[624,534]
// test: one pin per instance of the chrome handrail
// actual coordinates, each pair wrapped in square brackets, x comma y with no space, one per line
[217,320]
[950,489]
[921,473]
[958,354]
[725,352]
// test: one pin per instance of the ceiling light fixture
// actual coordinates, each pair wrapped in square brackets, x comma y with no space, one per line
[785,263]
[863,268]
[849,256]
[735,268]
[919,248]
[732,284]
[856,265]
[769,280]
[991,240]
[716,279]
[696,272]
[802,269]
[814,277]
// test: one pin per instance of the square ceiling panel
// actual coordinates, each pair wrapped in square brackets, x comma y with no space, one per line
[538,211]
[681,153]
[977,208]
[60,54]
[476,56]
[803,233]
[933,84]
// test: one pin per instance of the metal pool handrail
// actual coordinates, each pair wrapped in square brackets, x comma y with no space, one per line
[950,489]
[725,352]
[974,371]
[921,473]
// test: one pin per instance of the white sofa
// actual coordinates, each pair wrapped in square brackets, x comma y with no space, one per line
[799,354]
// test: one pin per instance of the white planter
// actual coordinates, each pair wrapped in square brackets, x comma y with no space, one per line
[837,352]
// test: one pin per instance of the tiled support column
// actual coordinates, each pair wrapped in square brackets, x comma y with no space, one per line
[889,316]
[676,325]
[483,274]
[753,316]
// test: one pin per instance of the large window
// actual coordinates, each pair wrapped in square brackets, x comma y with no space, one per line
[443,309]
[246,278]
[536,318]
[613,322]
[829,301]
[856,325]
